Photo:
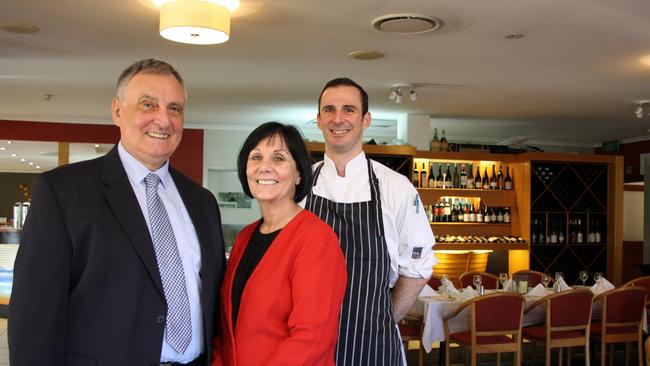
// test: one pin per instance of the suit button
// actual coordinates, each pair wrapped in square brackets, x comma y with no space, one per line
[160,319]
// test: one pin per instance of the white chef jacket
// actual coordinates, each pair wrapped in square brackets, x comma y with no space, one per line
[406,226]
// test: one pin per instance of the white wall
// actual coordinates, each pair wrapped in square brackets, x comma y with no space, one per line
[220,162]
[632,216]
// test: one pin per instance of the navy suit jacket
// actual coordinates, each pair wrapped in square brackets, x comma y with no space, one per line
[87,290]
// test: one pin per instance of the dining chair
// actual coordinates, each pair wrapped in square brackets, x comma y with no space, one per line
[534,277]
[621,320]
[495,326]
[568,315]
[488,280]
[410,329]
[643,281]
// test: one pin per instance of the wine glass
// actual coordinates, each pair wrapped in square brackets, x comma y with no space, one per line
[597,276]
[503,278]
[546,279]
[584,275]
[477,280]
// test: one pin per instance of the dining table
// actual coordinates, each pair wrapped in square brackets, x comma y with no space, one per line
[433,309]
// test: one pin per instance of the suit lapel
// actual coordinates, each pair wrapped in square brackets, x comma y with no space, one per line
[121,198]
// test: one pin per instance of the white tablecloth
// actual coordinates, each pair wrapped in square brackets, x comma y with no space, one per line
[434,309]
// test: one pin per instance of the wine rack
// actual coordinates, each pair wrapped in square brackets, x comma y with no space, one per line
[492,198]
[569,213]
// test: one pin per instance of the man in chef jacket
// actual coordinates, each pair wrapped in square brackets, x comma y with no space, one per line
[382,227]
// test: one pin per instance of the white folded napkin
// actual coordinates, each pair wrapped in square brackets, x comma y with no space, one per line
[601,286]
[509,285]
[448,287]
[427,291]
[560,285]
[467,293]
[538,291]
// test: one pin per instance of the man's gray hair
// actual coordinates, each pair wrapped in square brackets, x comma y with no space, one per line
[147,66]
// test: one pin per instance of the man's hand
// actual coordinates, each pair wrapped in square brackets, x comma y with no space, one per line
[404,293]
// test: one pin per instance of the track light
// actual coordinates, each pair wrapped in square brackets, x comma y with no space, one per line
[413,95]
[393,94]
[399,97]
[639,111]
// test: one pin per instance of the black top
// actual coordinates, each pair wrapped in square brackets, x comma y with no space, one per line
[257,246]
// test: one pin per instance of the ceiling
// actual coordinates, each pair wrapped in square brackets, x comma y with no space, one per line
[572,80]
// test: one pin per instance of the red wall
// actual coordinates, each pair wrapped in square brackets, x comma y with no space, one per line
[188,158]
[631,152]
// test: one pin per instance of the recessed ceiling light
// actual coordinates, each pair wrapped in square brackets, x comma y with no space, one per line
[38,167]
[3,148]
[365,55]
[13,155]
[31,163]
[645,59]
[515,36]
[22,159]
[406,23]
[9,142]
[18,27]
[96,145]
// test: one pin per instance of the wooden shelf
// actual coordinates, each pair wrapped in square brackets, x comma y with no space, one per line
[470,228]
[480,246]
[492,198]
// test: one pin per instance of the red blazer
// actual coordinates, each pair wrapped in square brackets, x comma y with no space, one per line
[289,310]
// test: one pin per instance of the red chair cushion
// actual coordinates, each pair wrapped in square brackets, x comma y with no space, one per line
[596,329]
[466,338]
[539,333]
[408,331]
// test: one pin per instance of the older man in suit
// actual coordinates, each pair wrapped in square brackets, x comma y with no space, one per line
[121,257]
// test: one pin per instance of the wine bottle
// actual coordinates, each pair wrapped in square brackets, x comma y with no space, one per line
[444,145]
[579,235]
[456,180]
[479,213]
[591,235]
[486,179]
[493,215]
[572,233]
[553,236]
[472,213]
[463,177]
[560,235]
[507,181]
[416,175]
[435,142]
[431,182]
[533,231]
[447,210]
[466,213]
[470,177]
[439,179]
[487,214]
[500,214]
[454,211]
[506,215]
[461,213]
[423,176]
[447,178]
[597,231]
[493,179]
[478,183]
[500,181]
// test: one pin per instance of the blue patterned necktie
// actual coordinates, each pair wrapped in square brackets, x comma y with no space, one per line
[178,327]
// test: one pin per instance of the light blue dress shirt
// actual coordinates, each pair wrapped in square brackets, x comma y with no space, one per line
[188,246]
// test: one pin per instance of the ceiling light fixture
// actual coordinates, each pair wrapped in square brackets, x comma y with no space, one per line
[3,148]
[398,91]
[196,21]
[641,108]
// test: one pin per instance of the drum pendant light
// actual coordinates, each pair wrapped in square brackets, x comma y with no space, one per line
[196,21]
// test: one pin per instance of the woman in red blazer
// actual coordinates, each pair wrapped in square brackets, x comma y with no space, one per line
[284,285]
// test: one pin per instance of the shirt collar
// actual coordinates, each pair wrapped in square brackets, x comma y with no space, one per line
[353,166]
[136,171]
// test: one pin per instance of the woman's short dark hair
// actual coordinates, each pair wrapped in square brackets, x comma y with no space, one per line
[293,140]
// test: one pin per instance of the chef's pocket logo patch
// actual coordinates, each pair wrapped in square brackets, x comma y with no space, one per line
[417,253]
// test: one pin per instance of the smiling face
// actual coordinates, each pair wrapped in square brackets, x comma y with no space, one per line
[150,117]
[271,172]
[342,121]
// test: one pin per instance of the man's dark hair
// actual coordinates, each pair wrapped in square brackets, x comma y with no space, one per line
[294,142]
[346,82]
